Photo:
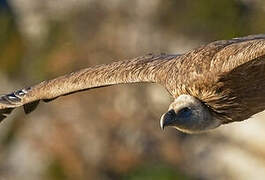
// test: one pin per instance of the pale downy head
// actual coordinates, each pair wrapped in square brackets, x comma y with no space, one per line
[190,115]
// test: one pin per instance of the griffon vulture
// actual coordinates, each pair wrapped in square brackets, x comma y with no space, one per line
[215,84]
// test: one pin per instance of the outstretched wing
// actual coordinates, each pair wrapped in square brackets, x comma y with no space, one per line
[242,68]
[246,86]
[141,69]
[238,51]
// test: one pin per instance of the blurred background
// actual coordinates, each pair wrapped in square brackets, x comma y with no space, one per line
[113,132]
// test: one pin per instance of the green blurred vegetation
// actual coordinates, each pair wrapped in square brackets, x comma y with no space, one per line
[207,19]
[55,171]
[155,172]
[11,44]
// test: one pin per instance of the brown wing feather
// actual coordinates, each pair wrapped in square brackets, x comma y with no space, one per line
[239,73]
[141,69]
[246,89]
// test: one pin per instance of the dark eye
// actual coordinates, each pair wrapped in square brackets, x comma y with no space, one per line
[185,112]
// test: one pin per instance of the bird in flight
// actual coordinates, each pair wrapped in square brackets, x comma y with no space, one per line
[215,84]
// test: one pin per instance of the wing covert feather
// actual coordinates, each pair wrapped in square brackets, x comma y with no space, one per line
[246,86]
[141,69]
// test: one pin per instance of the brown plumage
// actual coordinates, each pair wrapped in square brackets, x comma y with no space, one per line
[215,84]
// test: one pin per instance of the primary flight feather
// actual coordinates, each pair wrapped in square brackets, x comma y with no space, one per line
[215,84]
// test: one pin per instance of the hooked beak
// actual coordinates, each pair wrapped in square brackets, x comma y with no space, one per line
[167,119]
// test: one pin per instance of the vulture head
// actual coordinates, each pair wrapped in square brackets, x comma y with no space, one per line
[188,114]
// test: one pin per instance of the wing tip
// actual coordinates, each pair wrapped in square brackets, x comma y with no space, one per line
[4,112]
[10,101]
[29,107]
